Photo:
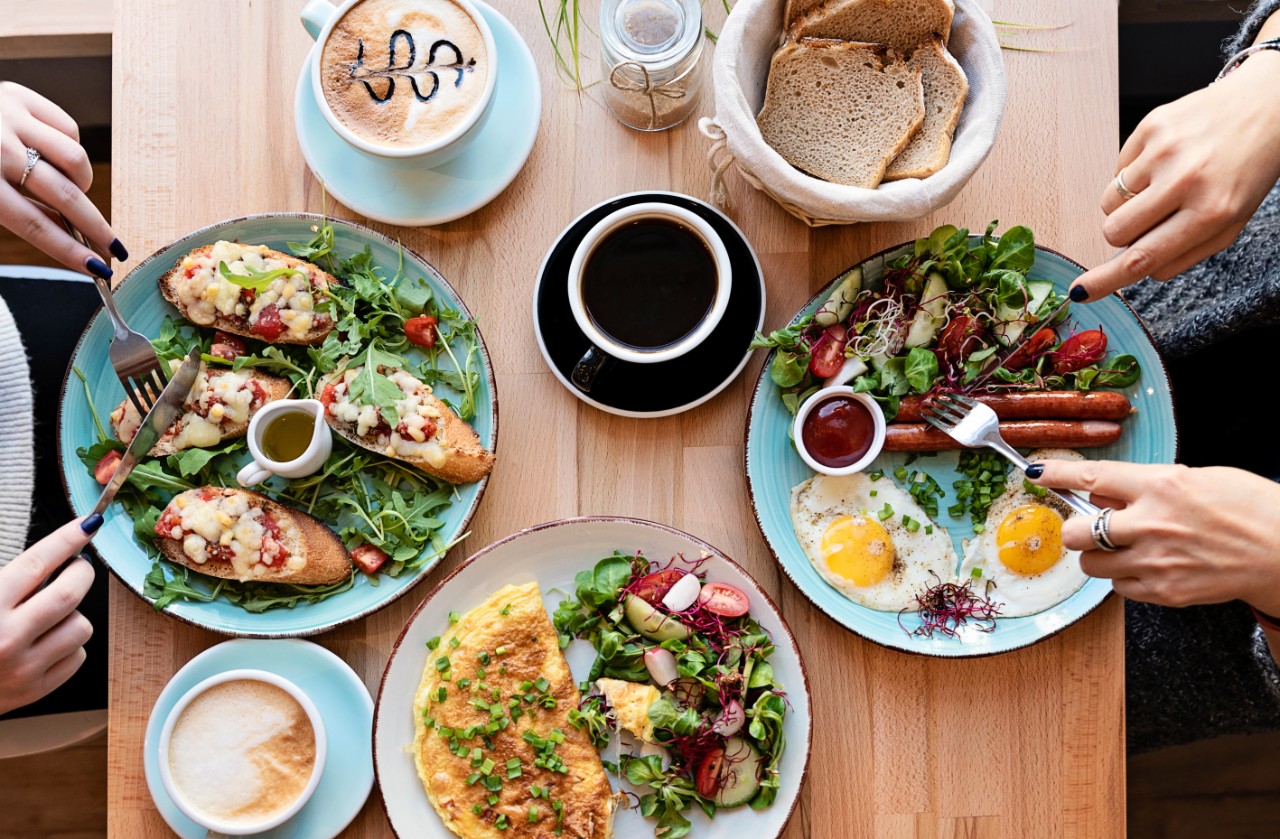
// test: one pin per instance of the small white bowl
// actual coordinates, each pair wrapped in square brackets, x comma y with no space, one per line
[203,819]
[877,419]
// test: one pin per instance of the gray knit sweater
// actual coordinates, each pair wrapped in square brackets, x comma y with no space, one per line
[1206,671]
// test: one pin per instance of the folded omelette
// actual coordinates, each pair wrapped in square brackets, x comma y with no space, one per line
[493,745]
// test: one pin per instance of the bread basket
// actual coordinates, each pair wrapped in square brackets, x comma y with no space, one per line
[739,73]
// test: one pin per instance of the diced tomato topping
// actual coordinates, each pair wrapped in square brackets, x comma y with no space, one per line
[168,521]
[368,558]
[269,325]
[327,394]
[106,466]
[421,330]
[189,273]
[219,553]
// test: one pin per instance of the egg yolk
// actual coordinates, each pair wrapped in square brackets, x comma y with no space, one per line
[857,549]
[1029,539]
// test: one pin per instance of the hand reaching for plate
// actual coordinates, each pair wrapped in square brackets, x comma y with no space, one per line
[42,636]
[1185,536]
[1198,169]
[44,168]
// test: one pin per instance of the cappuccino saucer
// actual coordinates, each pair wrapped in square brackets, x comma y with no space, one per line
[666,387]
[344,704]
[418,197]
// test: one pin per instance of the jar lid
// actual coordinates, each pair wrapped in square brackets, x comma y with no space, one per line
[655,33]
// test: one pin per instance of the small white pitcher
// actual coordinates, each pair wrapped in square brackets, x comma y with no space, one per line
[309,462]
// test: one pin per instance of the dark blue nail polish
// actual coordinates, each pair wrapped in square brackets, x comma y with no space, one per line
[92,523]
[118,250]
[1035,470]
[97,267]
[1079,293]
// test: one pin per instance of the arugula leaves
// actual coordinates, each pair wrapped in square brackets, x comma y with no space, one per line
[371,387]
[253,279]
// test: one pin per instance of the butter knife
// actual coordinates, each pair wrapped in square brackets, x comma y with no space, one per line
[1027,334]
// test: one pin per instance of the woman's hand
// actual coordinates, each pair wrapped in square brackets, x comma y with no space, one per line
[1186,536]
[42,636]
[59,180]
[1200,167]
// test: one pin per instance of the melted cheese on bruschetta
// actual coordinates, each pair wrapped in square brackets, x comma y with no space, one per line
[206,294]
[219,399]
[228,528]
[419,432]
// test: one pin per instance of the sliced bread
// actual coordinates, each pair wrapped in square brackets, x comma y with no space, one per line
[945,88]
[840,111]
[797,9]
[900,24]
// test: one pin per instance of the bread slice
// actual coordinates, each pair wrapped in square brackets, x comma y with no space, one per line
[125,419]
[900,24]
[840,111]
[169,289]
[326,558]
[945,88]
[797,9]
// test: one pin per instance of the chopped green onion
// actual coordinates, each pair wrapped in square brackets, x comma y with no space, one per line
[454,642]
[886,511]
[433,642]
[910,524]
[454,617]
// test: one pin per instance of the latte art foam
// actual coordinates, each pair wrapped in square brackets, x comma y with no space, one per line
[403,73]
[242,752]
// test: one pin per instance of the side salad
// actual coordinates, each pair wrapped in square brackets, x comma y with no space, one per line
[387,514]
[935,321]
[688,648]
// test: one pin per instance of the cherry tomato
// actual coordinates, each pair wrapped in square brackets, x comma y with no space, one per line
[106,467]
[269,325]
[1079,351]
[368,558]
[708,779]
[828,353]
[1035,346]
[226,346]
[653,587]
[961,337]
[421,330]
[723,599]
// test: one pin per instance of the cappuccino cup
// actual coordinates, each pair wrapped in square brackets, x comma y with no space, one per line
[242,752]
[408,82]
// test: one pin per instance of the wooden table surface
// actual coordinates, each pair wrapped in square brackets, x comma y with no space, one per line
[1030,743]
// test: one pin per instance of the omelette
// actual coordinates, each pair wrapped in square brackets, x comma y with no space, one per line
[493,744]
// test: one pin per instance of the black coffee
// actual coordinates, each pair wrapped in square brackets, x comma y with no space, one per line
[649,283]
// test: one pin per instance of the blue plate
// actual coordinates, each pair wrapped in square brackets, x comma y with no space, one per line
[414,196]
[773,468]
[140,302]
[343,702]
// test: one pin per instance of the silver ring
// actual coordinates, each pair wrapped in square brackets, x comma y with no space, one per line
[1124,191]
[33,157]
[1100,529]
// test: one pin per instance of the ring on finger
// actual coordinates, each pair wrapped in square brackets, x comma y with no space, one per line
[33,157]
[1100,530]
[1125,192]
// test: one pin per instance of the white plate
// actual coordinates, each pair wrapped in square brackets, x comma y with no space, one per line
[552,554]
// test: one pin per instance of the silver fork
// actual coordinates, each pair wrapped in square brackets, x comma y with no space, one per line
[134,359]
[972,423]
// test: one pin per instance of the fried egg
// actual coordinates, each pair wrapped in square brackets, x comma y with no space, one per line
[870,540]
[1020,548]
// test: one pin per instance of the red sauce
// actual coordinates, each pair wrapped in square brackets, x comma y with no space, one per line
[838,432]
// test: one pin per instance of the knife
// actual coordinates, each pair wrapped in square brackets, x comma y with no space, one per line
[1027,335]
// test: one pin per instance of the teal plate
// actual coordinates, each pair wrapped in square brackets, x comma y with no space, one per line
[773,468]
[140,302]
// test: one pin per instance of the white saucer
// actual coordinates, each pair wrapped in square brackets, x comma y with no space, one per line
[412,197]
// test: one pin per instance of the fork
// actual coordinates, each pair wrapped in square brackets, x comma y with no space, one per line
[972,423]
[137,366]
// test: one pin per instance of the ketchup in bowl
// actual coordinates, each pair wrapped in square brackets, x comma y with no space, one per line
[838,432]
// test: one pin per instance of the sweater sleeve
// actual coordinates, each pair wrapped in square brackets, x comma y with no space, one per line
[1258,14]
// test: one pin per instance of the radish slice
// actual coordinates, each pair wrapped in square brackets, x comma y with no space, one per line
[730,720]
[851,369]
[681,595]
[662,666]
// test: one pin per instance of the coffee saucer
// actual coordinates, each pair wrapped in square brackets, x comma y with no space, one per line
[416,197]
[667,387]
[344,704]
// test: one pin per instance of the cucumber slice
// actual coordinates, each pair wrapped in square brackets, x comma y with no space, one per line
[928,318]
[741,773]
[651,623]
[1013,322]
[840,304]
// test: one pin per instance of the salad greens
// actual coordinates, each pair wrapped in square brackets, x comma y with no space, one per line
[363,496]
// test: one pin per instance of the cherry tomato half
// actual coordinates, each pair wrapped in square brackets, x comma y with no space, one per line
[723,599]
[368,558]
[828,353]
[708,779]
[961,337]
[421,330]
[106,467]
[1079,351]
[229,347]
[268,325]
[653,587]
[1035,346]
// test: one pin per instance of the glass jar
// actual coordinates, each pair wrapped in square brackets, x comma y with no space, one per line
[650,56]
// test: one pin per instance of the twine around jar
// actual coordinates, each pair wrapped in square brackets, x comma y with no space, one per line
[667,89]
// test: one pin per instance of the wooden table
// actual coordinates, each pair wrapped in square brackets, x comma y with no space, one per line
[1025,744]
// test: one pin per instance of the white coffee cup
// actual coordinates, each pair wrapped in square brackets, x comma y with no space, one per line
[307,463]
[208,821]
[319,18]
[602,346]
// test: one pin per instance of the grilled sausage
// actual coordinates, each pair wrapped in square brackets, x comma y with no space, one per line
[1041,404]
[1067,434]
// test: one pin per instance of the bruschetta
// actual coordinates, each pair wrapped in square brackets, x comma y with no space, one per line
[219,408]
[276,298]
[238,534]
[427,435]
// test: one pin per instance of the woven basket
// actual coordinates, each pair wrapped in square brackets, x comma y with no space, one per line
[747,43]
